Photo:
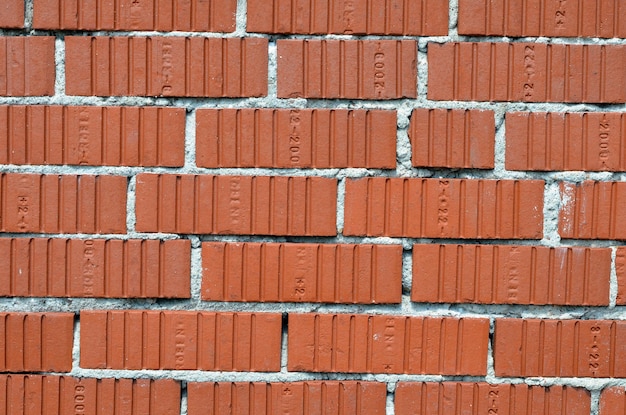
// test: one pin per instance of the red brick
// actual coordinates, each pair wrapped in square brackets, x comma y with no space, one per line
[113,268]
[560,348]
[360,69]
[180,340]
[357,17]
[620,270]
[591,210]
[12,13]
[95,136]
[452,138]
[36,342]
[295,138]
[298,398]
[355,343]
[297,272]
[511,274]
[166,66]
[251,205]
[50,203]
[459,398]
[612,401]
[26,65]
[129,15]
[531,72]
[565,141]
[66,395]
[513,18]
[444,208]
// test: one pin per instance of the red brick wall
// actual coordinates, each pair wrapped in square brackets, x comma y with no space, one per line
[368,207]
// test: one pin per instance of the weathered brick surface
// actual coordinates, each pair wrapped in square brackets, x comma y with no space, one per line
[26,65]
[12,13]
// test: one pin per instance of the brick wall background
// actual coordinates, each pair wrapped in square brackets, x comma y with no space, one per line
[306,207]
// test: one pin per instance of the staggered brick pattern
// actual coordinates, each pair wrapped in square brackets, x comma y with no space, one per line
[293,207]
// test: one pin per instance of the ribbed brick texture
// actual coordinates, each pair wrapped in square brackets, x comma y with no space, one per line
[92,136]
[311,397]
[36,342]
[365,69]
[26,65]
[62,203]
[528,72]
[180,340]
[356,343]
[259,205]
[457,398]
[295,138]
[66,395]
[511,274]
[291,272]
[354,17]
[58,267]
[444,208]
[166,66]
[162,16]
[564,348]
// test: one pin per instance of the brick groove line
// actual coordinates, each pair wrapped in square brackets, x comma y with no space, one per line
[360,207]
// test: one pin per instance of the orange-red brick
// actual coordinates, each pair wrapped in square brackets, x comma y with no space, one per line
[166,66]
[113,268]
[511,274]
[444,208]
[95,136]
[359,69]
[27,65]
[12,14]
[612,401]
[184,340]
[295,138]
[356,343]
[250,205]
[300,272]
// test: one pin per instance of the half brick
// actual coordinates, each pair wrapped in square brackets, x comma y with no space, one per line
[181,340]
[129,15]
[459,398]
[452,138]
[592,18]
[166,66]
[27,66]
[560,348]
[311,397]
[12,14]
[444,208]
[530,72]
[612,401]
[354,17]
[62,203]
[592,210]
[565,141]
[36,342]
[297,272]
[511,274]
[355,343]
[111,268]
[92,136]
[66,395]
[295,138]
[358,69]
[239,205]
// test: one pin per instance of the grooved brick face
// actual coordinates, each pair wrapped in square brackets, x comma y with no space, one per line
[360,69]
[387,344]
[417,17]
[620,271]
[166,66]
[457,398]
[170,15]
[528,72]
[66,395]
[295,138]
[563,348]
[12,13]
[291,272]
[80,135]
[26,65]
[311,397]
